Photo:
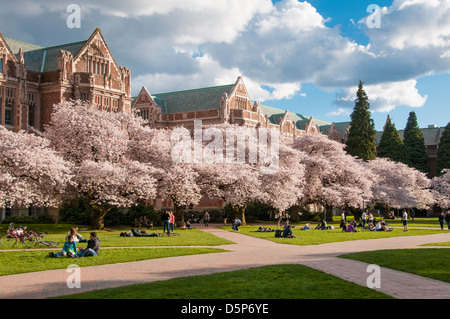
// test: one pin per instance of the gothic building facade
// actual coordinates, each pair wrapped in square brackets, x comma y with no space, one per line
[34,78]
[227,104]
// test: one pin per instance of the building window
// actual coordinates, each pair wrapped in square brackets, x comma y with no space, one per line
[1,65]
[31,110]
[9,106]
[84,97]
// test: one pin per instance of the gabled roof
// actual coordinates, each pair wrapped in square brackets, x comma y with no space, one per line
[192,100]
[341,127]
[43,59]
[275,115]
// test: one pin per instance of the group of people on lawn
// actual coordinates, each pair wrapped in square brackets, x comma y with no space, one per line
[70,248]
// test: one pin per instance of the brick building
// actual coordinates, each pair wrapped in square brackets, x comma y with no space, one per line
[220,104]
[34,78]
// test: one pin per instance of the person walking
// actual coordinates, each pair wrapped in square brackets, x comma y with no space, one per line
[364,219]
[171,221]
[370,218]
[442,220]
[206,219]
[279,218]
[447,219]
[405,220]
[165,218]
[412,214]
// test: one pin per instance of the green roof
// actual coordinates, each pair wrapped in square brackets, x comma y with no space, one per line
[275,115]
[432,135]
[341,127]
[41,59]
[192,100]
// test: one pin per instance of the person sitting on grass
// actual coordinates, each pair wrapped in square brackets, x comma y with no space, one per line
[382,226]
[76,237]
[350,228]
[306,227]
[69,249]
[322,225]
[287,232]
[92,248]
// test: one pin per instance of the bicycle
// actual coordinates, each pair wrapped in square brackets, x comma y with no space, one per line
[47,243]
[17,235]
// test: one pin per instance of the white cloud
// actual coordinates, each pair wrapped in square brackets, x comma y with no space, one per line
[172,44]
[383,97]
[291,16]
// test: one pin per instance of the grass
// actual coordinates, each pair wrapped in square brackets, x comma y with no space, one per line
[438,244]
[32,260]
[316,237]
[431,263]
[111,237]
[17,262]
[268,282]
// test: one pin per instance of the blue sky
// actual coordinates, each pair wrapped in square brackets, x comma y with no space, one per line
[304,56]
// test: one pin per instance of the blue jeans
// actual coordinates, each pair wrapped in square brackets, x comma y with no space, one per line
[166,225]
[235,227]
[86,253]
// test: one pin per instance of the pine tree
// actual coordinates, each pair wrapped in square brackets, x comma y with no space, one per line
[443,154]
[415,144]
[361,137]
[391,145]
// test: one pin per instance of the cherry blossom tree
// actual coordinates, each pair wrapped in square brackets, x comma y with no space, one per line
[100,145]
[107,185]
[242,165]
[31,173]
[333,178]
[285,186]
[397,185]
[441,188]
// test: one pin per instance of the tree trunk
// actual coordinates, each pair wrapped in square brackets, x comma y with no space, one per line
[179,214]
[328,213]
[98,216]
[240,213]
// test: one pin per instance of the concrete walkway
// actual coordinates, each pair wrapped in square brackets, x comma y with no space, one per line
[248,252]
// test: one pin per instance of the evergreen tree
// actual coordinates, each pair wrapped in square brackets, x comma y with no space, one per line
[361,137]
[415,144]
[391,145]
[443,154]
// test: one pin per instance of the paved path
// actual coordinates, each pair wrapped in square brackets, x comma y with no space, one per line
[248,252]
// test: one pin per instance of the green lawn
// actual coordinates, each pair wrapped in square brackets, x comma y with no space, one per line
[32,259]
[438,244]
[16,262]
[431,263]
[111,237]
[316,237]
[268,282]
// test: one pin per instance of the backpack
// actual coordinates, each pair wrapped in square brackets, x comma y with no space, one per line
[278,233]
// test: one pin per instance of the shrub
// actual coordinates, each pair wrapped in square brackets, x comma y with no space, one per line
[43,219]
